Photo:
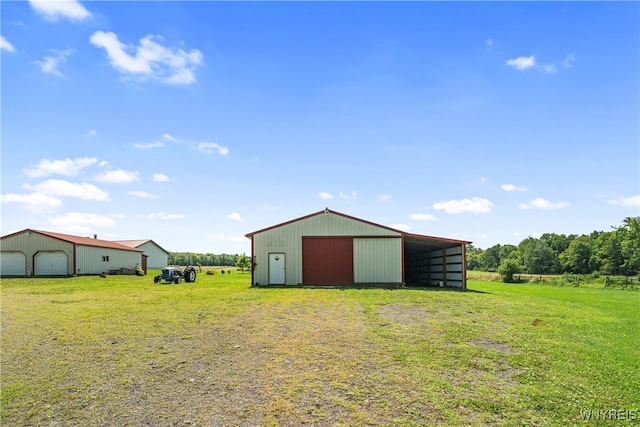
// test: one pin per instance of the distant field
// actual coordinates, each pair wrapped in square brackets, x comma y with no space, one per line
[124,351]
[560,279]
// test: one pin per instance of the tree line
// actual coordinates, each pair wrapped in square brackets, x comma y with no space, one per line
[189,258]
[615,252]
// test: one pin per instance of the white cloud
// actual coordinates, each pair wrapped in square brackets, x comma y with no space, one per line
[5,45]
[210,147]
[522,62]
[218,236]
[235,216]
[160,177]
[403,227]
[348,196]
[151,59]
[568,61]
[631,201]
[118,176]
[146,145]
[66,167]
[423,217]
[525,62]
[204,146]
[59,187]
[474,180]
[36,202]
[540,203]
[54,10]
[79,222]
[511,187]
[143,194]
[92,132]
[474,205]
[163,215]
[50,64]
[324,195]
[385,197]
[488,43]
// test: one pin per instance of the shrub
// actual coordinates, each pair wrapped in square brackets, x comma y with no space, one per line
[507,269]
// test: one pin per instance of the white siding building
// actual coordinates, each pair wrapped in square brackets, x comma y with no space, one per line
[331,248]
[43,253]
[157,257]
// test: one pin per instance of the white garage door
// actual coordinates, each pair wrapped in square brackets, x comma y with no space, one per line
[51,263]
[13,264]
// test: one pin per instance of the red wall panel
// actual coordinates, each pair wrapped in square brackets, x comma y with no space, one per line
[327,260]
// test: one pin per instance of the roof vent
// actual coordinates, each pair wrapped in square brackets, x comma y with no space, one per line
[95,236]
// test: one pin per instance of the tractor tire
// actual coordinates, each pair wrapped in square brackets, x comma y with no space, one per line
[178,280]
[189,275]
[157,278]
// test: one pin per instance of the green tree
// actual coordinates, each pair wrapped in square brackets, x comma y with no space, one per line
[558,242]
[606,253]
[575,259]
[508,268]
[492,258]
[508,252]
[475,258]
[537,256]
[630,244]
[243,263]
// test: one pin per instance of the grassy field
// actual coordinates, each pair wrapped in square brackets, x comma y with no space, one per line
[124,351]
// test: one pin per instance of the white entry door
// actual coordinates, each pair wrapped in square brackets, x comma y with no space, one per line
[276,269]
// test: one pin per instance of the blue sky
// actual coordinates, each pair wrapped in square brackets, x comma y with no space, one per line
[194,123]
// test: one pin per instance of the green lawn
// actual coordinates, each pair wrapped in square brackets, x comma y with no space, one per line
[124,351]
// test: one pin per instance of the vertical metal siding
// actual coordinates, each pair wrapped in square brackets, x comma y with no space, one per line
[157,257]
[90,259]
[377,260]
[288,239]
[327,260]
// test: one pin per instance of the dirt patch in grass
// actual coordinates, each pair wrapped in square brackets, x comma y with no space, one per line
[489,344]
[407,315]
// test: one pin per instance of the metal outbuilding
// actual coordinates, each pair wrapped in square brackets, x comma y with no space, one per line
[331,248]
[44,253]
[157,257]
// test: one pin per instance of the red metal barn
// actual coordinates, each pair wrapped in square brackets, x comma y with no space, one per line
[331,248]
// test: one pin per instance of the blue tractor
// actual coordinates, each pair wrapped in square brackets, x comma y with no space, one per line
[175,275]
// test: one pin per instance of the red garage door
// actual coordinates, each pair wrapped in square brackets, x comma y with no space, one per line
[327,260]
